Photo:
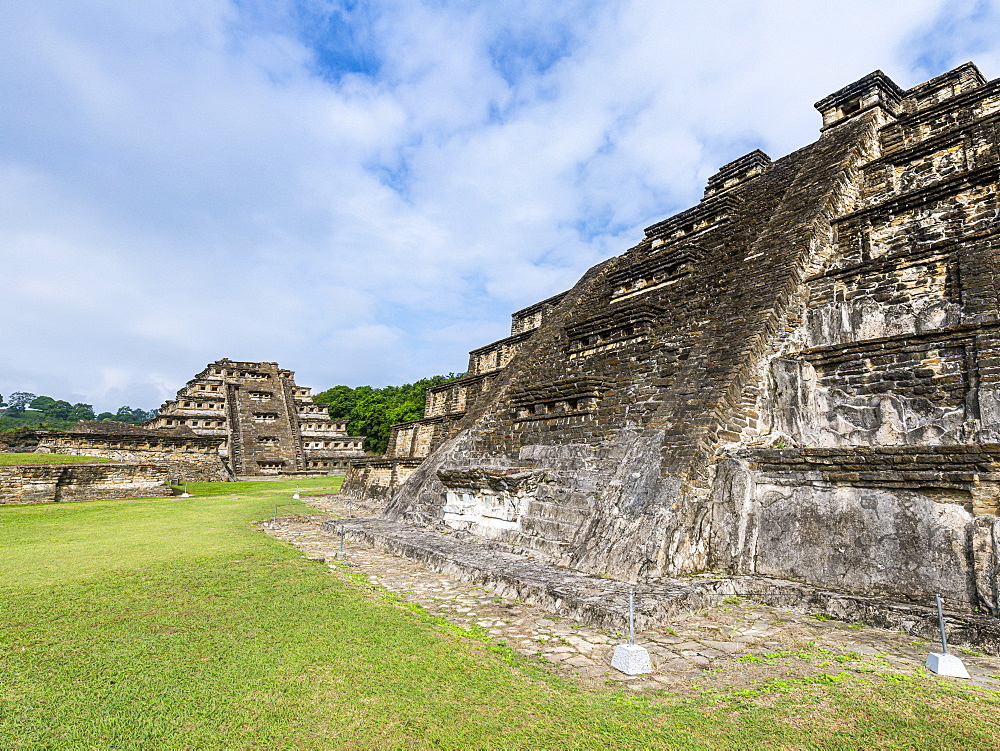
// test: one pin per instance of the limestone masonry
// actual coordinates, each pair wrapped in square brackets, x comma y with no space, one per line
[798,378]
[266,423]
[187,456]
[48,483]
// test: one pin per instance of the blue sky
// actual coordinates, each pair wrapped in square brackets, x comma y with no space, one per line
[365,191]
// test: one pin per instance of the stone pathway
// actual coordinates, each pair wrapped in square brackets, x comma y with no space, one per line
[739,644]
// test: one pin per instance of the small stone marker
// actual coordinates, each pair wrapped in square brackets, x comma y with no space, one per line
[944,663]
[631,658]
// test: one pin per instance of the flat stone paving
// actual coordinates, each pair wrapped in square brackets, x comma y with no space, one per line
[739,644]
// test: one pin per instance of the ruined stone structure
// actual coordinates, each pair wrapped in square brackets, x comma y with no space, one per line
[267,424]
[376,479]
[51,483]
[185,455]
[799,377]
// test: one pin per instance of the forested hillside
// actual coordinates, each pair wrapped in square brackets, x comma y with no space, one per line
[372,412]
[26,410]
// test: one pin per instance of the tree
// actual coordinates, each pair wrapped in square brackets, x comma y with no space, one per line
[125,414]
[372,412]
[18,401]
[42,403]
[61,410]
[132,416]
[82,412]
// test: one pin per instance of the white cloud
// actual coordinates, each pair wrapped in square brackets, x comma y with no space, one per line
[365,194]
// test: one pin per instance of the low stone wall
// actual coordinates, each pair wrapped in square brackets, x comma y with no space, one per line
[188,458]
[375,480]
[48,483]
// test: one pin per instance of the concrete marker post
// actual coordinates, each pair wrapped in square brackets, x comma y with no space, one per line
[631,658]
[944,663]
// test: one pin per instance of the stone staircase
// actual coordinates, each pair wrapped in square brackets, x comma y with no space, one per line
[235,441]
[293,419]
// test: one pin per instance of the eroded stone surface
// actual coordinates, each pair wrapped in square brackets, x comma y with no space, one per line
[48,483]
[180,451]
[797,377]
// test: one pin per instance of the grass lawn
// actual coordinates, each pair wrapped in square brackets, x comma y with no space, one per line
[174,623]
[9,458]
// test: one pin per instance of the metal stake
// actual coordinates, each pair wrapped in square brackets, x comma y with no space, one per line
[631,617]
[274,522]
[341,541]
[944,639]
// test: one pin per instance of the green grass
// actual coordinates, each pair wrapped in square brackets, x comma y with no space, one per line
[16,458]
[175,623]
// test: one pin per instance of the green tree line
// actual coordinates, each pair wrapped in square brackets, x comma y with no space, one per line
[372,412]
[23,409]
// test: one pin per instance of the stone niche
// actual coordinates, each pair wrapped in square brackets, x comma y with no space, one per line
[267,424]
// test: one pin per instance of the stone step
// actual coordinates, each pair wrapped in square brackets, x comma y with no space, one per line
[575,594]
[604,602]
[545,546]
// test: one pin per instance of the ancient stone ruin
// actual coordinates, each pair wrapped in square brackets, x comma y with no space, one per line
[179,451]
[143,461]
[266,423]
[799,377]
[52,483]
[377,478]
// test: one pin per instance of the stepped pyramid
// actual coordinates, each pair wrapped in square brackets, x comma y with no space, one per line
[268,424]
[799,377]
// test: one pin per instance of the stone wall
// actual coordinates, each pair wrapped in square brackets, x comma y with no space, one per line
[375,480]
[843,298]
[47,483]
[186,457]
[888,521]
[495,356]
[530,318]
